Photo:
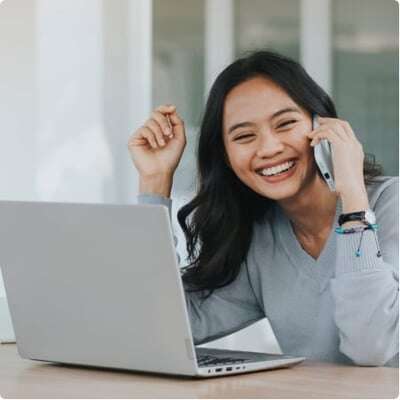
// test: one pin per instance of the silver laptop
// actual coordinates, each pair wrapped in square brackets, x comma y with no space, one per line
[99,285]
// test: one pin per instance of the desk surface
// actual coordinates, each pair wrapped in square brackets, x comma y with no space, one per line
[23,378]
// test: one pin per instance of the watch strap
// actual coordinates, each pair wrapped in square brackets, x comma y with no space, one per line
[353,216]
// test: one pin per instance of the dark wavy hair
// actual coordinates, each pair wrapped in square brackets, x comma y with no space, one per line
[219,232]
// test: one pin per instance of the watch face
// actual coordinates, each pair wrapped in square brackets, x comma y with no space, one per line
[370,216]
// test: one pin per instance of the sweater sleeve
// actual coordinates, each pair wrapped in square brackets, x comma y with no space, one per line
[150,198]
[365,288]
[227,309]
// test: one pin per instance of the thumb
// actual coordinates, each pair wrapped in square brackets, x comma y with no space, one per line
[177,123]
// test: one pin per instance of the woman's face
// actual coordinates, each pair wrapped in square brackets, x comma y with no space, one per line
[262,128]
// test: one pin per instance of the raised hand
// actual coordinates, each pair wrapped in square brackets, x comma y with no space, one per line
[157,147]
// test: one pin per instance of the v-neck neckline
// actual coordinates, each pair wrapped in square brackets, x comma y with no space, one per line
[318,269]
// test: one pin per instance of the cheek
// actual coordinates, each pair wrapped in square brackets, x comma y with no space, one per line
[239,159]
[302,143]
[306,151]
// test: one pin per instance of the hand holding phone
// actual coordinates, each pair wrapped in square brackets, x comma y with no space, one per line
[323,158]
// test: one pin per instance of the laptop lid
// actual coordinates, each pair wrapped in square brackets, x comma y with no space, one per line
[95,285]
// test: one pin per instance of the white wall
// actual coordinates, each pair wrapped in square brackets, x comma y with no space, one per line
[17,115]
[73,155]
[74,83]
[17,99]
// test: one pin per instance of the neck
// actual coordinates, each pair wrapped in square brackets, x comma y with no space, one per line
[312,210]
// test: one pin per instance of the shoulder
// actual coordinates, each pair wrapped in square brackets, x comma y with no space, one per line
[384,200]
[383,190]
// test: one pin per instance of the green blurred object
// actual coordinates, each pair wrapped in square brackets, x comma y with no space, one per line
[365,74]
[268,24]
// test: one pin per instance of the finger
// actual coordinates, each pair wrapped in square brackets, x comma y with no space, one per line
[333,126]
[315,129]
[336,126]
[177,123]
[155,127]
[348,129]
[162,120]
[166,108]
[328,134]
[149,135]
[171,135]
[314,132]
[137,137]
[135,141]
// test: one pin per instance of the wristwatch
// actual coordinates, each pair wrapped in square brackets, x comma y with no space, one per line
[367,217]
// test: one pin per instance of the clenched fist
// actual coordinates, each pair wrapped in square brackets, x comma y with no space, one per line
[157,147]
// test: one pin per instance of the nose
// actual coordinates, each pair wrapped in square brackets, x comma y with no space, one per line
[269,146]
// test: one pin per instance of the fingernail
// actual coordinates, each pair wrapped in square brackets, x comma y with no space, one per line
[163,142]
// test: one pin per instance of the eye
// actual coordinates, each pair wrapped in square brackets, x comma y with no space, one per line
[287,123]
[243,136]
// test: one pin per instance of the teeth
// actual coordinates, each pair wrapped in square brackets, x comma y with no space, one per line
[277,169]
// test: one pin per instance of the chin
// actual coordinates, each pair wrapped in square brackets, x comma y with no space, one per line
[275,191]
[281,193]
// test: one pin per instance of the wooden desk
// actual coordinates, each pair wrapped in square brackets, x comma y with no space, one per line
[23,378]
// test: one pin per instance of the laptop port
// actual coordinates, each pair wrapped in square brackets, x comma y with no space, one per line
[218,369]
[229,368]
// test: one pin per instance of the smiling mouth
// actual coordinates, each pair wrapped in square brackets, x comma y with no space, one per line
[263,171]
[280,176]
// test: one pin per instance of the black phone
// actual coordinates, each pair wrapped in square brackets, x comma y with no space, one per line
[323,157]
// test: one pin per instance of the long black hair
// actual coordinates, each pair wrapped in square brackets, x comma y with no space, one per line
[219,233]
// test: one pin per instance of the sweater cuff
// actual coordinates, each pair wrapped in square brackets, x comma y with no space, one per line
[151,198]
[347,260]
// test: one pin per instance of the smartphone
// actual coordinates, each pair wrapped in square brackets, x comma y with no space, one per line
[323,158]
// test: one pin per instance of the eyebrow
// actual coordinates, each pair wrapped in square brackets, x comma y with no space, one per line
[274,115]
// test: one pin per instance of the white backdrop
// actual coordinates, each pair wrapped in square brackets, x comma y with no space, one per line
[74,82]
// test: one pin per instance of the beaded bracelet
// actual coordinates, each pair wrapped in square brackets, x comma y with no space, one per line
[373,227]
[358,228]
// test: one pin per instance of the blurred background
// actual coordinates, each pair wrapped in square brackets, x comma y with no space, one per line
[78,77]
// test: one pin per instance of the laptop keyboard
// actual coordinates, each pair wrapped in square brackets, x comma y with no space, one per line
[206,360]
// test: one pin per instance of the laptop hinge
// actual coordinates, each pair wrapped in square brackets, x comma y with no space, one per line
[189,349]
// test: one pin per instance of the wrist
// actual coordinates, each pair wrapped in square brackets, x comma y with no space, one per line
[352,224]
[354,203]
[156,184]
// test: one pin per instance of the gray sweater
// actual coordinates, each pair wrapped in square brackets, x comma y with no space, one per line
[339,308]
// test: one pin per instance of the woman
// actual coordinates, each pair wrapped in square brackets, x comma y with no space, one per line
[261,232]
